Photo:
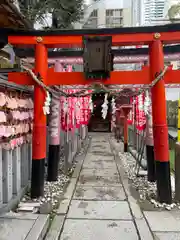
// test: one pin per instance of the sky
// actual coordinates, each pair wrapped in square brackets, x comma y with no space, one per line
[172,93]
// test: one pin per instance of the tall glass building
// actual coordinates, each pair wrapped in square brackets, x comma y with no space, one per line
[147,12]
[153,11]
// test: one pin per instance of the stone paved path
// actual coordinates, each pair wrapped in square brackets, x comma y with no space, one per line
[99,207]
[98,203]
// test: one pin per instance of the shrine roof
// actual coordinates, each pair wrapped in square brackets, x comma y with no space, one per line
[73,38]
[107,31]
[11,17]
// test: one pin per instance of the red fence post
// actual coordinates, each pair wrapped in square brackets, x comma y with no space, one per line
[39,128]
[160,129]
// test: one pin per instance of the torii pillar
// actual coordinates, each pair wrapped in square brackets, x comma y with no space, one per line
[39,127]
[160,128]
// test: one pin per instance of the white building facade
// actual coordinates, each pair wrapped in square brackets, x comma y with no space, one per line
[137,13]
[107,13]
[153,12]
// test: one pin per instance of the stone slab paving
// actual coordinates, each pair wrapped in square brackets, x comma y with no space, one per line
[98,151]
[112,172]
[23,226]
[11,228]
[99,147]
[98,203]
[98,176]
[94,180]
[94,157]
[163,221]
[99,208]
[107,193]
[116,210]
[99,164]
[164,224]
[97,230]
[102,152]
[167,235]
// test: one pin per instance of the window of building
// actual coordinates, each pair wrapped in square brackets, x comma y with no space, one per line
[114,12]
[93,20]
[115,22]
[94,13]
[114,18]
[109,13]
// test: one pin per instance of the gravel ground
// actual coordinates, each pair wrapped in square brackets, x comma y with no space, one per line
[146,189]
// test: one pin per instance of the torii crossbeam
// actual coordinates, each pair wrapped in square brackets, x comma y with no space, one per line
[154,37]
[124,55]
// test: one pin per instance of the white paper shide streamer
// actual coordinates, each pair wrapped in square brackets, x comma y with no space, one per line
[77,106]
[140,102]
[113,106]
[147,104]
[91,104]
[105,106]
[65,106]
[46,107]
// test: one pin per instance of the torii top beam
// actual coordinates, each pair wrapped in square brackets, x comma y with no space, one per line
[120,36]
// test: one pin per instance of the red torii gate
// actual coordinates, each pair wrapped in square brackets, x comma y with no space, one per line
[155,37]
